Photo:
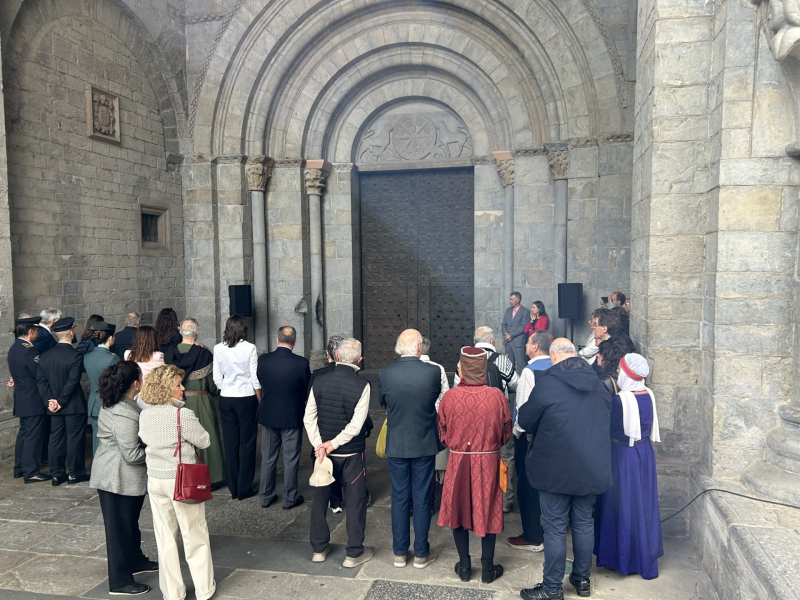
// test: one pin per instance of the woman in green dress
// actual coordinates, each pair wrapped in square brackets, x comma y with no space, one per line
[197,363]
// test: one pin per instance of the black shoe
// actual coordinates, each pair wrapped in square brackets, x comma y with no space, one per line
[216,486]
[297,502]
[490,571]
[464,568]
[270,503]
[133,589]
[538,592]
[17,475]
[59,479]
[582,586]
[248,494]
[149,566]
[78,479]
[38,478]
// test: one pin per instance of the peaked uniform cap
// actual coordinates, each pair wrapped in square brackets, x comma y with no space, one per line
[63,324]
[102,326]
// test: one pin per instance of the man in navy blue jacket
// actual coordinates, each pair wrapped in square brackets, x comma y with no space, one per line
[568,416]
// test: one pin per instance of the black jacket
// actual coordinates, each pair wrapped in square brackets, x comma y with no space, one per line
[409,389]
[322,371]
[337,395]
[44,341]
[123,340]
[569,416]
[59,377]
[284,378]
[23,363]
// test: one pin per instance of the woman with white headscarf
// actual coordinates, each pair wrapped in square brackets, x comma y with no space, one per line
[627,522]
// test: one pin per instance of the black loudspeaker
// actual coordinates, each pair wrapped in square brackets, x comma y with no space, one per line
[570,300]
[241,297]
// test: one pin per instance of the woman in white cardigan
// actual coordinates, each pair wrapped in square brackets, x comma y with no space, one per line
[235,362]
[158,429]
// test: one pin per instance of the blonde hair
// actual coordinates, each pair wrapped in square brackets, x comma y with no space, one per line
[157,386]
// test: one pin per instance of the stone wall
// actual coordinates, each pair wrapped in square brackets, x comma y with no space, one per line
[6,282]
[75,201]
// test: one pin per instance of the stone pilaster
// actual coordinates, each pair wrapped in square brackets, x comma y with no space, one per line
[258,170]
[316,176]
[505,169]
[558,161]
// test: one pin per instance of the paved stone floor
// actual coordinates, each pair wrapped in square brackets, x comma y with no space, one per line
[52,545]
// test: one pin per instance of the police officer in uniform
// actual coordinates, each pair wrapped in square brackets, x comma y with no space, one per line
[23,362]
[59,379]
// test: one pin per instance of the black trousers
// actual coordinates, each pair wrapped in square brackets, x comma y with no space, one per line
[28,449]
[67,445]
[527,496]
[461,538]
[239,433]
[123,538]
[351,475]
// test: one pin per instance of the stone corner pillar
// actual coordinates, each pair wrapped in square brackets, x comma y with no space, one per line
[316,177]
[558,159]
[258,170]
[505,169]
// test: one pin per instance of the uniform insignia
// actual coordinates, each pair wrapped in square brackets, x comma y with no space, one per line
[36,358]
[27,345]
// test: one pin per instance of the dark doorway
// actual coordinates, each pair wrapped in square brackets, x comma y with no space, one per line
[417,261]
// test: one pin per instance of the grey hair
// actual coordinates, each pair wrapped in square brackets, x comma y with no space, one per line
[349,350]
[49,315]
[426,346]
[409,347]
[132,319]
[189,328]
[24,315]
[562,348]
[484,335]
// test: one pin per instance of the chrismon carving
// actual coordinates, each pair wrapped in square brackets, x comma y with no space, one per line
[102,115]
[417,260]
[398,137]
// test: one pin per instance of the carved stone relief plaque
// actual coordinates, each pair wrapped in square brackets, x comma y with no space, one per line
[415,132]
[102,115]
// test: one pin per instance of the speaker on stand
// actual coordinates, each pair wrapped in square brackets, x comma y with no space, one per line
[570,303]
[241,303]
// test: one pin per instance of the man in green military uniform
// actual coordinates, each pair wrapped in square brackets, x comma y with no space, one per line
[197,363]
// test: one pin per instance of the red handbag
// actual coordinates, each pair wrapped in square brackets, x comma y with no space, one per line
[192,482]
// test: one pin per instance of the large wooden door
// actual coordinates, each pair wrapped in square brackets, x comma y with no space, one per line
[417,260]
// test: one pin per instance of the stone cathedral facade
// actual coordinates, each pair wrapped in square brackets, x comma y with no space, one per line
[368,165]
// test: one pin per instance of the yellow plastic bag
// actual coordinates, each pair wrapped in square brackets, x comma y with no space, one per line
[380,448]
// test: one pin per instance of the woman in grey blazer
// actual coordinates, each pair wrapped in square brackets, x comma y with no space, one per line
[120,477]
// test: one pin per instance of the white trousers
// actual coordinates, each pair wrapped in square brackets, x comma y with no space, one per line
[168,516]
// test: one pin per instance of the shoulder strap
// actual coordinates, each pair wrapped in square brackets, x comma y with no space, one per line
[178,448]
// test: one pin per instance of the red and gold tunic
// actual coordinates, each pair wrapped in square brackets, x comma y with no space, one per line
[474,421]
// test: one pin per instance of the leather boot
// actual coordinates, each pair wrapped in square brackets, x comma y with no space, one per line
[490,571]
[464,568]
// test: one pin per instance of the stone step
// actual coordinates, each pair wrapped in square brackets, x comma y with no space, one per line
[772,481]
[783,449]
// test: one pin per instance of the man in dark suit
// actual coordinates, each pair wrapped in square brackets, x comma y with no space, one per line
[514,322]
[284,378]
[568,416]
[409,389]
[23,361]
[123,340]
[59,381]
[45,340]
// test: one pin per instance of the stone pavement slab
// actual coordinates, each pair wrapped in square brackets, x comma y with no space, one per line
[391,590]
[271,585]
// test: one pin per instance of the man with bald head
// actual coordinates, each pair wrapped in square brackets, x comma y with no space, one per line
[568,415]
[409,389]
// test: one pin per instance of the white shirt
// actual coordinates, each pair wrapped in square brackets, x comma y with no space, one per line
[444,383]
[512,383]
[589,352]
[524,388]
[235,370]
[352,429]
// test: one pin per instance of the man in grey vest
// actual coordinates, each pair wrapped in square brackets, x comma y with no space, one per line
[337,408]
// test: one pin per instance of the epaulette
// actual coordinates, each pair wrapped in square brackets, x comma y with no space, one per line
[27,345]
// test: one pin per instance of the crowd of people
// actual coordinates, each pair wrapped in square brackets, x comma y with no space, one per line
[573,445]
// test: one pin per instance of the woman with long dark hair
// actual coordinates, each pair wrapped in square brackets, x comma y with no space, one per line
[539,319]
[120,477]
[87,343]
[167,329]
[145,351]
[609,353]
[235,363]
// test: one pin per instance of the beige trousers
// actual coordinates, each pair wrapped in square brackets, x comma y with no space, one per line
[168,516]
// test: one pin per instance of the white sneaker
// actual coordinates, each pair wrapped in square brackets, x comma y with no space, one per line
[335,509]
[400,560]
[320,556]
[420,562]
[358,560]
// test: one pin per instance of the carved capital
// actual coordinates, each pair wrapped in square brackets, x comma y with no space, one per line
[505,166]
[559,163]
[258,170]
[316,173]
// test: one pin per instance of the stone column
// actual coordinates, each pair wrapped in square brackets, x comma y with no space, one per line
[505,168]
[316,175]
[558,157]
[258,170]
